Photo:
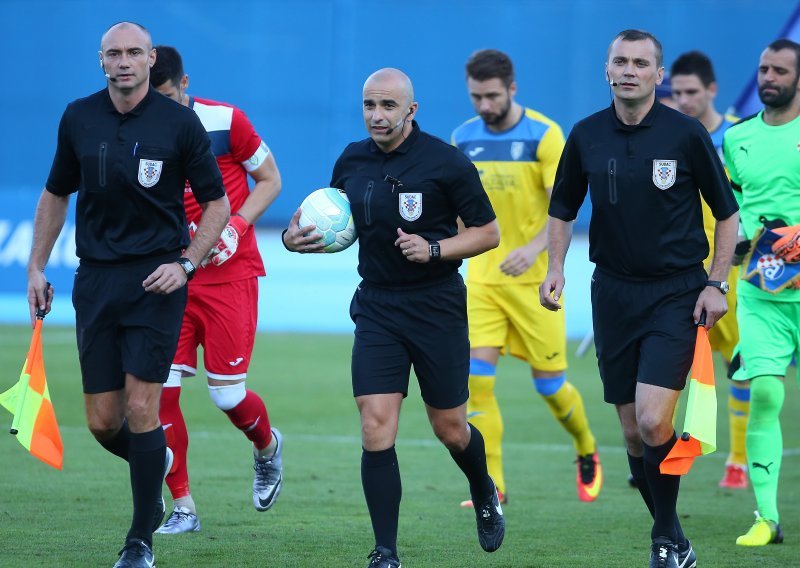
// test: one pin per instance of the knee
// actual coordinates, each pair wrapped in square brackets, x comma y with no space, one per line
[654,431]
[142,413]
[454,436]
[633,440]
[377,431]
[766,397]
[226,397]
[104,428]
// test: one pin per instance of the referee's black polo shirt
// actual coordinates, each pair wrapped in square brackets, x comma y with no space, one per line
[643,183]
[130,171]
[421,187]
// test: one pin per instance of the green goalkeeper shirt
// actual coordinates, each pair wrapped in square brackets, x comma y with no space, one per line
[764,166]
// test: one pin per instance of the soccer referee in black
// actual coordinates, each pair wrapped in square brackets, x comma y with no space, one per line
[406,190]
[128,150]
[644,164]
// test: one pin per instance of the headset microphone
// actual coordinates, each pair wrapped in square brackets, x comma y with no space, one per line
[612,82]
[392,128]
[399,122]
[109,77]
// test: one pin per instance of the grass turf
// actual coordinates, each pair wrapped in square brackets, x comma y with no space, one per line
[79,517]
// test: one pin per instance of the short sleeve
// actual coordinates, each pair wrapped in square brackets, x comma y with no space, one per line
[245,141]
[65,173]
[709,175]
[549,153]
[466,192]
[569,188]
[199,162]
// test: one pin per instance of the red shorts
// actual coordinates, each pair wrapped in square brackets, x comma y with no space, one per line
[222,318]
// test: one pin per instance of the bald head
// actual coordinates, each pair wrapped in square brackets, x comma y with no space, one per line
[390,80]
[139,29]
[388,107]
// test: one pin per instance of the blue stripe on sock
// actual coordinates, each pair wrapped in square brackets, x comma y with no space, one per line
[482,368]
[550,386]
[740,394]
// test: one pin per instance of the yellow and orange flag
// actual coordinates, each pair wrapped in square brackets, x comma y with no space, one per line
[34,422]
[700,425]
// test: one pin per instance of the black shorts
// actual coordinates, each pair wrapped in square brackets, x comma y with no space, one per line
[425,327]
[120,327]
[644,331]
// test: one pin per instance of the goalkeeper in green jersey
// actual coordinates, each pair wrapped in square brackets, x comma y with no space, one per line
[763,154]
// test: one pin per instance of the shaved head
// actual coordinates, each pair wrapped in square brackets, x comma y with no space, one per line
[390,79]
[125,25]
[388,107]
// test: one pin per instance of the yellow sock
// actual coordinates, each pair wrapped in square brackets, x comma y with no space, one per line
[738,413]
[566,405]
[484,413]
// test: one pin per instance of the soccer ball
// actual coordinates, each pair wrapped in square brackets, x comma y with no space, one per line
[329,209]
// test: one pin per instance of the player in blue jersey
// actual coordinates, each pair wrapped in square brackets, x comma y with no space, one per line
[516,151]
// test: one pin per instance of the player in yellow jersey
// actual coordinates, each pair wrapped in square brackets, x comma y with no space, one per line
[694,87]
[516,151]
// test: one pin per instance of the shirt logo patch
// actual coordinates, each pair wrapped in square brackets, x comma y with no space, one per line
[149,172]
[664,172]
[410,206]
[475,151]
[517,148]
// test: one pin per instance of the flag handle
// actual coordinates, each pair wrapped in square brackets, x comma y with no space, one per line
[700,322]
[26,376]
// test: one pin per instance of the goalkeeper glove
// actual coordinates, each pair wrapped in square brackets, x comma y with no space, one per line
[788,246]
[229,240]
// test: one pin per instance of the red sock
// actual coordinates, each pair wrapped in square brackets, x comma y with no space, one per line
[177,439]
[250,416]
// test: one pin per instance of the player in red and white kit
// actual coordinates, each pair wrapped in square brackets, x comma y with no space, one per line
[222,310]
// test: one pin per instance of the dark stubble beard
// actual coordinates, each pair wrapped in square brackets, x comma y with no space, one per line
[781,99]
[495,119]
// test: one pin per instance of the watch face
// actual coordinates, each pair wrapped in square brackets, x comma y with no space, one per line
[724,287]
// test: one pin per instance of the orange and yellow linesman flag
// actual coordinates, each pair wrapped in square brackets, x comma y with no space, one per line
[34,422]
[700,425]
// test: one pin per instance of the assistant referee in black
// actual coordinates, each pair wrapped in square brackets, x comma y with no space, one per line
[644,164]
[406,190]
[127,151]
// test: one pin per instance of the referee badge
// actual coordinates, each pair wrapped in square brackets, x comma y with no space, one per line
[410,206]
[664,173]
[149,172]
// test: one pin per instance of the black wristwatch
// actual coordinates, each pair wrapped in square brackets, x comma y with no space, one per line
[721,285]
[187,266]
[435,251]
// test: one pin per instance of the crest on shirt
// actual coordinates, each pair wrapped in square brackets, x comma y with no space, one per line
[517,148]
[664,173]
[150,172]
[410,206]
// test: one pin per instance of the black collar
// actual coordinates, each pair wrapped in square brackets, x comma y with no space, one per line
[138,109]
[647,121]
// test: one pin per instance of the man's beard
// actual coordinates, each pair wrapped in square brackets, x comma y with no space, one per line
[782,98]
[494,119]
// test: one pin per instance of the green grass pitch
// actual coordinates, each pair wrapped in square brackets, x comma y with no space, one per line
[78,517]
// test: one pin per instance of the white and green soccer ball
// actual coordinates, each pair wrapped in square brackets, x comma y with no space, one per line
[329,209]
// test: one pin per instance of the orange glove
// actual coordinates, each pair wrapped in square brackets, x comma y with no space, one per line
[788,246]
